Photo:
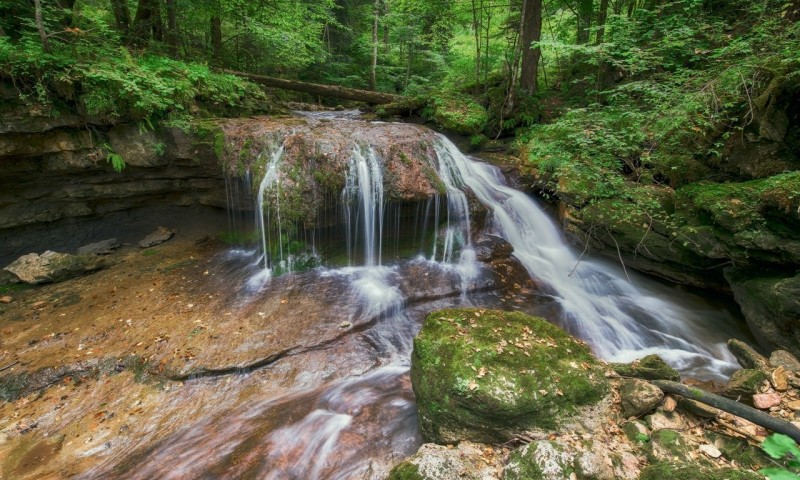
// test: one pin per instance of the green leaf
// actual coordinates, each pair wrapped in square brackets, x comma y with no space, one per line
[779,445]
[778,474]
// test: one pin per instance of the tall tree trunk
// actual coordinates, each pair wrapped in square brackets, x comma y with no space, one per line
[66,7]
[37,13]
[156,21]
[216,38]
[531,32]
[585,10]
[122,17]
[601,22]
[172,28]
[476,26]
[142,27]
[373,74]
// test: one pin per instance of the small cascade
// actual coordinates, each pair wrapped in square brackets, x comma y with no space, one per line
[363,205]
[263,216]
[621,320]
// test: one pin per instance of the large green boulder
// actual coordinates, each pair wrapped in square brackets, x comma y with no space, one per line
[486,375]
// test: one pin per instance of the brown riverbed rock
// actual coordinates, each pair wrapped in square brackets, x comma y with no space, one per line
[51,267]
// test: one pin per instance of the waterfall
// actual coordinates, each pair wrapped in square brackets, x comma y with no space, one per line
[621,320]
[263,224]
[362,200]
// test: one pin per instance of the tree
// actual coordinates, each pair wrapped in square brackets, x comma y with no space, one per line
[601,22]
[37,5]
[531,32]
[373,76]
[585,11]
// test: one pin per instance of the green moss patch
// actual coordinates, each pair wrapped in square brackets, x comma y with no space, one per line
[483,375]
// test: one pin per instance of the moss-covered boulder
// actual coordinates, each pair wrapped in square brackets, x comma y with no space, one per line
[744,383]
[651,367]
[678,471]
[538,461]
[484,375]
[667,445]
[638,397]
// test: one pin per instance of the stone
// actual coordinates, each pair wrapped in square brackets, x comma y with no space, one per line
[638,397]
[662,420]
[486,376]
[541,460]
[636,431]
[747,356]
[467,461]
[39,305]
[104,247]
[710,450]
[745,383]
[779,379]
[156,238]
[492,247]
[771,306]
[764,401]
[689,471]
[6,299]
[667,445]
[137,147]
[51,267]
[670,404]
[794,405]
[782,358]
[651,367]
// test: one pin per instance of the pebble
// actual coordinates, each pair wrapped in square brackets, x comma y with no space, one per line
[345,325]
[670,403]
[764,401]
[794,405]
[39,305]
[6,299]
[710,450]
[780,379]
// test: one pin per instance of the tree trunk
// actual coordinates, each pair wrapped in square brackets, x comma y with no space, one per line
[585,10]
[334,91]
[122,17]
[793,11]
[172,28]
[477,28]
[731,406]
[531,32]
[216,35]
[37,13]
[601,22]
[156,21]
[66,7]
[373,74]
[142,27]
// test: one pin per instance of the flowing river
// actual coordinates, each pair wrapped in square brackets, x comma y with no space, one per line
[355,422]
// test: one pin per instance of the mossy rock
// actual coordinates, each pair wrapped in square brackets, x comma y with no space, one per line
[485,375]
[467,461]
[667,445]
[405,471]
[678,471]
[651,367]
[459,113]
[739,451]
[744,383]
[530,462]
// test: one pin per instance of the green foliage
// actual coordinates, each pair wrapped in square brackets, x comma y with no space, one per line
[781,447]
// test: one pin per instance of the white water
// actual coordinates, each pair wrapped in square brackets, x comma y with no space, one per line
[620,320]
[362,200]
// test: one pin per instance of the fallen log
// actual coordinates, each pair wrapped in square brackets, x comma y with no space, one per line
[731,406]
[334,91]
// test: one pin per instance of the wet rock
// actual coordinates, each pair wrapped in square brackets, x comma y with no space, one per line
[468,461]
[747,356]
[686,471]
[745,383]
[638,397]
[667,445]
[156,238]
[104,247]
[771,306]
[486,375]
[492,247]
[51,267]
[651,367]
[764,401]
[782,358]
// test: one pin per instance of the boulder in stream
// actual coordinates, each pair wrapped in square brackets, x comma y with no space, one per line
[51,267]
[485,376]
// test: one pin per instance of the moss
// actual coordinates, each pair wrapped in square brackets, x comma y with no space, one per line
[480,374]
[666,445]
[459,113]
[651,367]
[522,465]
[739,451]
[744,383]
[636,431]
[672,471]
[405,471]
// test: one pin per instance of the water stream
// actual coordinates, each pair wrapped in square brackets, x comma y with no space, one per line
[357,420]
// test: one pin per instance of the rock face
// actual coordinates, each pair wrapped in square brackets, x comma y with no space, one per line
[52,267]
[486,375]
[772,308]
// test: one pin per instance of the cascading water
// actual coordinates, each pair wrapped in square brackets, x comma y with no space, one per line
[622,320]
[356,418]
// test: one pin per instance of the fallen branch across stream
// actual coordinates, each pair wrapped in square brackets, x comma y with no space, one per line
[731,406]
